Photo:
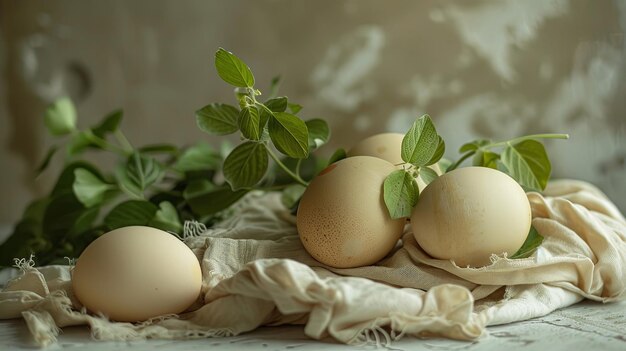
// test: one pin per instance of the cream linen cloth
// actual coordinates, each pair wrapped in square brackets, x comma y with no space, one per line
[257,273]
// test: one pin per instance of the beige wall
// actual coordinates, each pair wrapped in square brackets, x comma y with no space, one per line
[492,69]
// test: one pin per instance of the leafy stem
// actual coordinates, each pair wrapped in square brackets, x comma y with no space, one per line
[526,137]
[456,164]
[285,168]
[105,145]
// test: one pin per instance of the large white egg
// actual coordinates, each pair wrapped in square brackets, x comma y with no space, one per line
[387,146]
[471,213]
[135,273]
[342,218]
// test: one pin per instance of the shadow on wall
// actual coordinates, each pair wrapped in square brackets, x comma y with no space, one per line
[481,69]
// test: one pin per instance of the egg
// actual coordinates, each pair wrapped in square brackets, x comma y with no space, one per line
[135,273]
[387,146]
[342,219]
[469,214]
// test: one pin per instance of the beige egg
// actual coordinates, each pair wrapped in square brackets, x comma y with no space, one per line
[387,146]
[135,273]
[471,213]
[342,218]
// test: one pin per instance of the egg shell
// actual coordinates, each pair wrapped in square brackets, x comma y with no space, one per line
[342,218]
[387,146]
[135,273]
[471,213]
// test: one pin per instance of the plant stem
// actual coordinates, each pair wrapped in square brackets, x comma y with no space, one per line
[298,167]
[287,170]
[526,137]
[458,163]
[107,146]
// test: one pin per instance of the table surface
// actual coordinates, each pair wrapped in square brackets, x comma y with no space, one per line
[584,326]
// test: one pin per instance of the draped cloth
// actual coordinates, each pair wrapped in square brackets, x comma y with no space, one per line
[257,273]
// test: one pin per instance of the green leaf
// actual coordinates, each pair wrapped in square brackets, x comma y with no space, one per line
[278,104]
[218,119]
[204,198]
[66,216]
[485,159]
[88,188]
[199,157]
[232,69]
[274,85]
[46,160]
[166,218]
[319,132]
[427,175]
[289,135]
[109,124]
[159,149]
[441,149]
[533,241]
[79,142]
[400,193]
[249,123]
[338,155]
[60,117]
[246,165]
[294,108]
[142,171]
[65,182]
[291,195]
[473,145]
[420,143]
[128,213]
[528,163]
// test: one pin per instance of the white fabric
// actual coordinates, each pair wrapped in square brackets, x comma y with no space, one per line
[256,273]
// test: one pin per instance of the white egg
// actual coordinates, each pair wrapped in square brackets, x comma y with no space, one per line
[471,213]
[135,273]
[342,218]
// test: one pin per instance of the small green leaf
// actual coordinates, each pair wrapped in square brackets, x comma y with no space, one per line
[441,149]
[218,119]
[65,181]
[132,212]
[204,198]
[533,241]
[278,104]
[528,163]
[199,158]
[420,143]
[473,145]
[319,132]
[88,188]
[232,69]
[289,135]
[249,123]
[79,142]
[166,218]
[142,171]
[400,193]
[291,195]
[246,165]
[427,174]
[338,155]
[109,124]
[60,117]
[294,108]
[46,160]
[274,85]
[485,159]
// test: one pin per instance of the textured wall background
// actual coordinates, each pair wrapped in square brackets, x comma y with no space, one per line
[493,69]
